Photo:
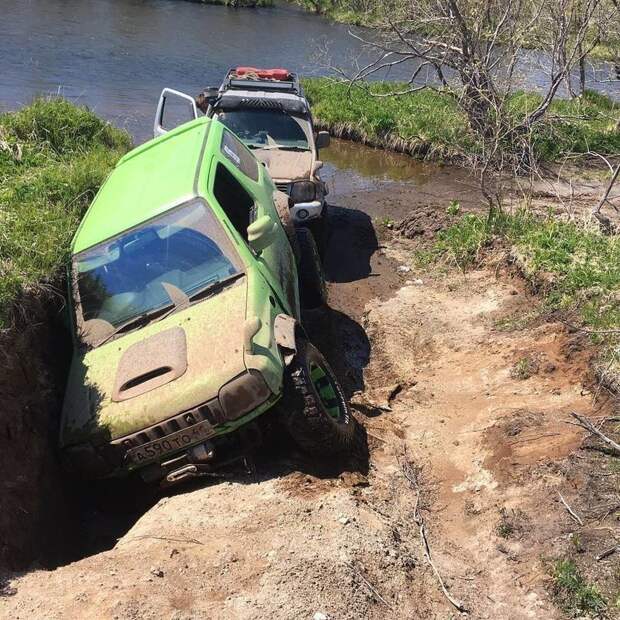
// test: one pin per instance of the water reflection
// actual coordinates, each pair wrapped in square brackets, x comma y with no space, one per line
[117,55]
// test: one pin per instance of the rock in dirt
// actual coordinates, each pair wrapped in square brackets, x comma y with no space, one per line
[424,222]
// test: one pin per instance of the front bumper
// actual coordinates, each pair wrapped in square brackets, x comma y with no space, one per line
[304,211]
[150,450]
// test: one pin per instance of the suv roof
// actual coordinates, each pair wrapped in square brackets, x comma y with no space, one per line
[164,175]
[233,82]
[265,93]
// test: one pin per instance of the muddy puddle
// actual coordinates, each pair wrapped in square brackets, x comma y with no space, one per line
[388,185]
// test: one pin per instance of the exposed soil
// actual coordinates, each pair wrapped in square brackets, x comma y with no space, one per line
[33,497]
[428,359]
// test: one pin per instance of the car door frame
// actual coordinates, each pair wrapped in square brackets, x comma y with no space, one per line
[171,93]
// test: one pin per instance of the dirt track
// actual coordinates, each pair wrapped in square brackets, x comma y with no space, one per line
[429,361]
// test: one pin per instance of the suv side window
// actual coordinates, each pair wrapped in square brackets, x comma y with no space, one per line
[237,153]
[234,200]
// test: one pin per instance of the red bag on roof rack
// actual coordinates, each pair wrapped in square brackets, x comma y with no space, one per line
[266,74]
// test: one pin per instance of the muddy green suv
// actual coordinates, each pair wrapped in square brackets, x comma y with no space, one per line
[185,284]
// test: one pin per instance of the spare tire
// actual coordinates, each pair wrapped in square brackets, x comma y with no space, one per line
[312,291]
[315,410]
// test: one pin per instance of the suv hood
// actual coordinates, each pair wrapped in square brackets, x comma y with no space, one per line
[286,165]
[156,372]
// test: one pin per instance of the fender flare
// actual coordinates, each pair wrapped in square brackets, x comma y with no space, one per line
[285,330]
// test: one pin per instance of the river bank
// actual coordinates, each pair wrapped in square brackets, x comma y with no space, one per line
[429,124]
[237,4]
[370,14]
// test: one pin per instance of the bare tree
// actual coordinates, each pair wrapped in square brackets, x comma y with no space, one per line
[603,220]
[472,50]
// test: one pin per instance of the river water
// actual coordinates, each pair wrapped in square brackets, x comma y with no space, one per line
[116,55]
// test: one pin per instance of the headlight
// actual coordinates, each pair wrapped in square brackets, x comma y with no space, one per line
[303,191]
[243,394]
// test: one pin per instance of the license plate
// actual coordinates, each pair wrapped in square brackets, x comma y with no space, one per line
[170,443]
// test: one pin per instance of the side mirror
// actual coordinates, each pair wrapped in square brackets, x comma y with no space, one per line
[262,233]
[322,140]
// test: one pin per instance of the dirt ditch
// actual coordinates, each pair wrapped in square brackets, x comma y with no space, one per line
[467,443]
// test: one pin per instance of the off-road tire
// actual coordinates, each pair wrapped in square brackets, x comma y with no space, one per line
[313,426]
[312,291]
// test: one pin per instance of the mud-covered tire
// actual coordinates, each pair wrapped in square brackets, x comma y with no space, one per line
[319,228]
[312,394]
[312,291]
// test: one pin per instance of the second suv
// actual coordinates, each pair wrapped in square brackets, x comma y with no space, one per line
[269,112]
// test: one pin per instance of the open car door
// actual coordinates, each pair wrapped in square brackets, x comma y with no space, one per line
[173,109]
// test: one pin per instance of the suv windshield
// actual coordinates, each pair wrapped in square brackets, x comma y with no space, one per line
[265,128]
[148,268]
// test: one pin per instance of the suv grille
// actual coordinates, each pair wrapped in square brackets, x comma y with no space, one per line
[284,187]
[255,102]
[210,412]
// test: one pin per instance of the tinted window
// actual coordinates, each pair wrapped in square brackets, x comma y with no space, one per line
[236,202]
[238,154]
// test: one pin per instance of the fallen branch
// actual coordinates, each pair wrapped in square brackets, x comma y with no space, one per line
[536,438]
[571,512]
[369,586]
[594,332]
[607,553]
[605,196]
[584,423]
[412,477]
[192,541]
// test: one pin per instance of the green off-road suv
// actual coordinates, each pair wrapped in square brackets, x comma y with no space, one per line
[185,286]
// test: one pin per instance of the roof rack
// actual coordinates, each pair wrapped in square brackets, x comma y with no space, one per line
[251,81]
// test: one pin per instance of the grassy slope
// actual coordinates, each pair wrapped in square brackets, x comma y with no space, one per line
[579,266]
[53,158]
[429,124]
[238,3]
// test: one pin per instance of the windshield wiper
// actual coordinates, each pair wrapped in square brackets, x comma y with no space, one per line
[284,147]
[279,147]
[140,320]
[214,287]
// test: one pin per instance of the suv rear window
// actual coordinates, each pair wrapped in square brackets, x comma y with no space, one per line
[238,154]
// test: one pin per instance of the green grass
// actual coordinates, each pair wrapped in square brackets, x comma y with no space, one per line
[53,158]
[429,124]
[580,267]
[573,593]
[525,368]
[237,3]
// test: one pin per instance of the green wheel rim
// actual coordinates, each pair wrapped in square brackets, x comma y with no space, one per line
[327,391]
